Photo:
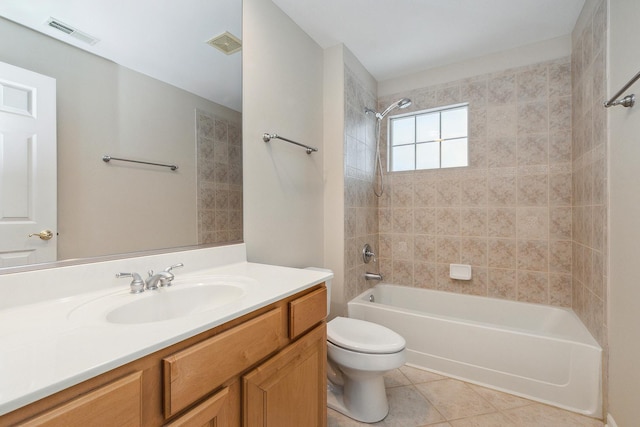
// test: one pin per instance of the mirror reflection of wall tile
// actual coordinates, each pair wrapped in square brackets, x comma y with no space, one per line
[219,173]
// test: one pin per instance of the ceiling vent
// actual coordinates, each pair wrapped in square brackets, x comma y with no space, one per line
[71,31]
[226,42]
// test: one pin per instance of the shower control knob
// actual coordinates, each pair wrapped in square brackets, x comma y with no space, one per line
[368,254]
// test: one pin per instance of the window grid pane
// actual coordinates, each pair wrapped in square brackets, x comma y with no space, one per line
[403,130]
[429,140]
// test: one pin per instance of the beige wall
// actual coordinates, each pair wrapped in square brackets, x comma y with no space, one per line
[361,216]
[624,293]
[333,156]
[508,214]
[283,93]
[107,109]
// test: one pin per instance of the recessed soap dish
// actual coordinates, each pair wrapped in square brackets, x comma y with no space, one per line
[460,271]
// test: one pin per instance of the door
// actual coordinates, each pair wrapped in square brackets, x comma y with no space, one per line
[28,180]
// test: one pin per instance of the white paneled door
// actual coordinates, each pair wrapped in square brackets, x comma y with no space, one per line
[28,196]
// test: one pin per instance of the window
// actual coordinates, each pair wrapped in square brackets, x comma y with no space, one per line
[429,139]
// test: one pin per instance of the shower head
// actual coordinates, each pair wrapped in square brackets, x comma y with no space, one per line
[401,103]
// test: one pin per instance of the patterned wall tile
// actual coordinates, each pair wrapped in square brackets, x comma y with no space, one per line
[509,213]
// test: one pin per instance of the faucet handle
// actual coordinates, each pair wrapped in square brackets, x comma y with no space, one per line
[166,281]
[137,284]
[178,265]
[368,254]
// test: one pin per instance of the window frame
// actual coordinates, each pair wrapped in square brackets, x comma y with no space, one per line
[416,143]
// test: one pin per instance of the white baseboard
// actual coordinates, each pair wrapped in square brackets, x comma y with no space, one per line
[610,421]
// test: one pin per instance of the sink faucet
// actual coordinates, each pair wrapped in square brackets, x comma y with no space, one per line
[158,279]
[163,278]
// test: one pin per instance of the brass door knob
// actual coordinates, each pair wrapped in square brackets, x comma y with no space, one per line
[44,234]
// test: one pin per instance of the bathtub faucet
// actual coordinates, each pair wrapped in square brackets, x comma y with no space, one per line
[373,276]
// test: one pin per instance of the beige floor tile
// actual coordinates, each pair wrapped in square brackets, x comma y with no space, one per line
[500,400]
[434,398]
[538,415]
[408,408]
[336,419]
[395,378]
[417,376]
[454,399]
[437,425]
[496,419]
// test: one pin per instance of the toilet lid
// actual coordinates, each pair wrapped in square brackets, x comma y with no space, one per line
[363,337]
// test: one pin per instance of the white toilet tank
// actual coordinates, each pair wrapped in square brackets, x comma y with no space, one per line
[328,284]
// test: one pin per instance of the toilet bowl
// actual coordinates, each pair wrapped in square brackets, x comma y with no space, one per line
[359,353]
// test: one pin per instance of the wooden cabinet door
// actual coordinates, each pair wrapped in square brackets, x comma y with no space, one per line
[220,410]
[289,390]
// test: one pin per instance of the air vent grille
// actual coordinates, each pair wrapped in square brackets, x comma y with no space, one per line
[71,31]
[226,42]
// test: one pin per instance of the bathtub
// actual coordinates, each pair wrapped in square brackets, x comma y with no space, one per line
[538,352]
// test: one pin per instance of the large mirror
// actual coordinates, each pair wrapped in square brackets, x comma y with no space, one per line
[138,81]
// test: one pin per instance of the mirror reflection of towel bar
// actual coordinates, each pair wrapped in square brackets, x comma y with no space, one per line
[106,158]
[269,136]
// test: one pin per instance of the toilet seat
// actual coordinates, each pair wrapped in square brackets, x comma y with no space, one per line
[363,337]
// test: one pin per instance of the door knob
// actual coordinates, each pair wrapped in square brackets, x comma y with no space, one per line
[44,234]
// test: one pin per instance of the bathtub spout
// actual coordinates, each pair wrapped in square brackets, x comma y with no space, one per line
[373,276]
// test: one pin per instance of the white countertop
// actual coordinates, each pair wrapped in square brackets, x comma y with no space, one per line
[50,345]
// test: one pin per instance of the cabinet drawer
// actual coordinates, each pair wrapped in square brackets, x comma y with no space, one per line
[116,404]
[305,312]
[196,371]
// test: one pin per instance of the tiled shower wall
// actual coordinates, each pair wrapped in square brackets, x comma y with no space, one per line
[219,179]
[361,216]
[509,213]
[590,194]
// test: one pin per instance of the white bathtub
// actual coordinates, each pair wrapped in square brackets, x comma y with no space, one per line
[539,352]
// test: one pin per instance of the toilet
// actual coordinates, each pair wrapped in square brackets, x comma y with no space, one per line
[359,353]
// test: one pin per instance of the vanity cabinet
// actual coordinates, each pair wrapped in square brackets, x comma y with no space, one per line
[116,403]
[266,368]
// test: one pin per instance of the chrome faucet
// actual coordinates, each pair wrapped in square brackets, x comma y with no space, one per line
[163,278]
[373,276]
[158,279]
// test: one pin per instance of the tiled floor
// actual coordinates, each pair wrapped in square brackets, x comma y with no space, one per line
[420,398]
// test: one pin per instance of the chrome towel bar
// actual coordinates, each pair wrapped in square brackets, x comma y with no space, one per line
[106,158]
[269,136]
[627,101]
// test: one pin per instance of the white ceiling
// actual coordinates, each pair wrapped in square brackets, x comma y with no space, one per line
[164,39]
[393,38]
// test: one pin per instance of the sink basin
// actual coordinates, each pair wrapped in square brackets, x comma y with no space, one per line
[170,305]
[164,304]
